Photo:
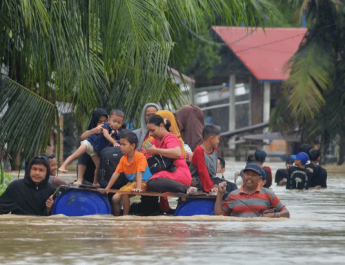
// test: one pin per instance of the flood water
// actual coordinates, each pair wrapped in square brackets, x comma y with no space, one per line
[315,234]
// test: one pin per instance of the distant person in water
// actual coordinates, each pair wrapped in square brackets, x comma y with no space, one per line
[32,195]
[282,174]
[319,174]
[53,179]
[298,175]
[238,175]
[95,143]
[260,158]
[251,200]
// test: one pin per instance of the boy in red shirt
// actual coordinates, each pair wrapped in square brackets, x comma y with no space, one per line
[134,165]
[204,162]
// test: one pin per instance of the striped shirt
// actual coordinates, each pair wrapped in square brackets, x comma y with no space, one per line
[240,204]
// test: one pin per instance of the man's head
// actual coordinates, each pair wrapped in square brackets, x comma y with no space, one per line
[289,162]
[52,163]
[128,142]
[251,159]
[116,119]
[221,165]
[314,155]
[211,134]
[304,148]
[300,159]
[260,156]
[252,176]
[39,167]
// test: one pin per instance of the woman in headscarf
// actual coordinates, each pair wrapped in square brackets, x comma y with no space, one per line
[191,121]
[32,195]
[168,145]
[86,167]
[142,133]
[167,115]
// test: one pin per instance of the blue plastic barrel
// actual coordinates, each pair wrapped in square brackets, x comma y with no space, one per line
[195,207]
[80,202]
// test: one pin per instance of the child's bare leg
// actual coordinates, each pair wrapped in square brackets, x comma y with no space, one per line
[97,162]
[81,150]
[126,204]
[81,172]
[116,202]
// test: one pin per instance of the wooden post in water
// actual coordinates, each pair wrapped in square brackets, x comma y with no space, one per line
[232,107]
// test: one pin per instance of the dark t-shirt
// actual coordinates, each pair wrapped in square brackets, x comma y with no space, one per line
[298,178]
[319,176]
[280,175]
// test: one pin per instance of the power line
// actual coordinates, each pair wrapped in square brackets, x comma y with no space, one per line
[281,40]
[249,48]
[216,43]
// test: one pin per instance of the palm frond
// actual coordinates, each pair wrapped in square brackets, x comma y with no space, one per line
[311,69]
[27,133]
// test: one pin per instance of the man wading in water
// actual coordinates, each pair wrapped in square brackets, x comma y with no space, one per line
[250,200]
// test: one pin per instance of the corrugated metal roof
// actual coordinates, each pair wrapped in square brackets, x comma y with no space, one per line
[263,53]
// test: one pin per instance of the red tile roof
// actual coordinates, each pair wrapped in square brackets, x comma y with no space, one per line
[263,53]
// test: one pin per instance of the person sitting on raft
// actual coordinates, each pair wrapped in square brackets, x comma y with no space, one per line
[168,145]
[142,133]
[32,195]
[95,143]
[191,124]
[134,165]
[251,200]
[204,162]
[168,115]
[86,167]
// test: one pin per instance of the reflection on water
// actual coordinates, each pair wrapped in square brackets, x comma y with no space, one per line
[314,235]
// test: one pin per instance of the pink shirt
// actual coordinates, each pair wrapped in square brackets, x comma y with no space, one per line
[182,173]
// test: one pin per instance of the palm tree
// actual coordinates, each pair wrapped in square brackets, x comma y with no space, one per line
[314,92]
[94,54]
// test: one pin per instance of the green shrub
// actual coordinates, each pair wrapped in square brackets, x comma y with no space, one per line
[5,181]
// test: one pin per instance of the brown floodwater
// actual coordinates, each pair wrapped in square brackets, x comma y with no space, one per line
[315,234]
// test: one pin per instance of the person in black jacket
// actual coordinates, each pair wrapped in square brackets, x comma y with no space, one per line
[319,177]
[32,195]
[282,173]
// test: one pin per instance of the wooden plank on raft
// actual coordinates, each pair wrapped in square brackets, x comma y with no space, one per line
[198,195]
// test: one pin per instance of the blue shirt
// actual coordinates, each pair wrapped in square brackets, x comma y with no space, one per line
[99,142]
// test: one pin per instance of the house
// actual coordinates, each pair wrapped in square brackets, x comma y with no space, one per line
[253,64]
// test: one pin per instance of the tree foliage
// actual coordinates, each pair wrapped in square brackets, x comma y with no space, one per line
[314,92]
[109,53]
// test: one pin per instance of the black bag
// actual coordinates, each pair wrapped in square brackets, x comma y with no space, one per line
[158,163]
[109,159]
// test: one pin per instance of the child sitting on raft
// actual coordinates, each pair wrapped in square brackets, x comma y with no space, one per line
[95,143]
[134,165]
[205,160]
